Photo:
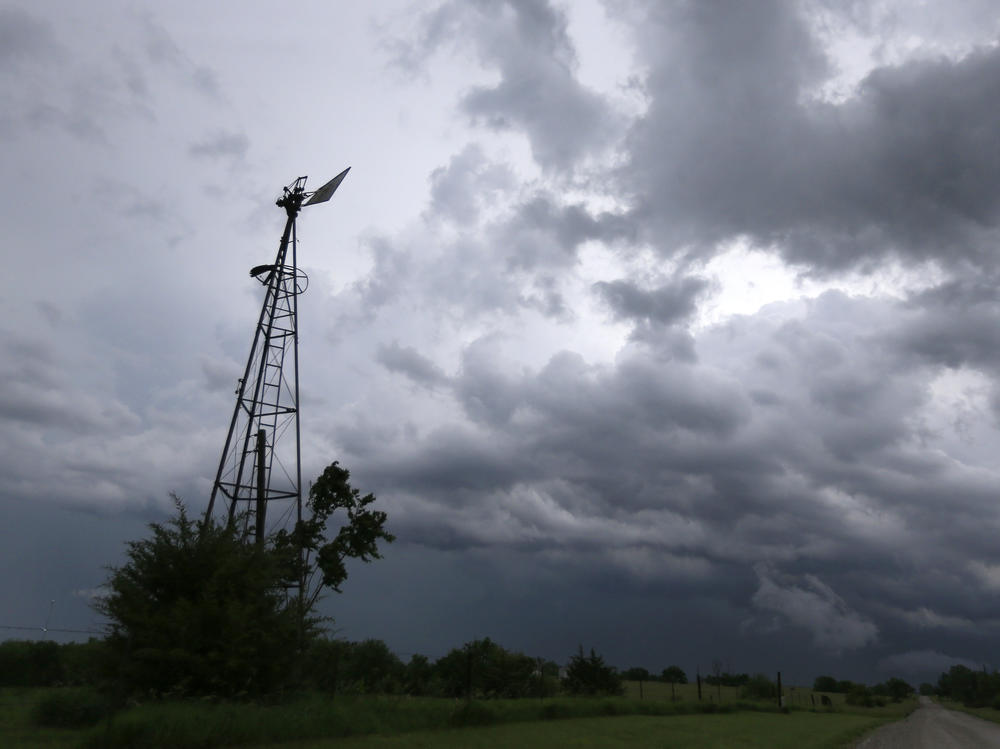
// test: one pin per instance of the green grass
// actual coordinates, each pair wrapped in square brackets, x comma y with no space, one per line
[796,698]
[655,690]
[797,730]
[17,728]
[986,713]
[169,724]
[319,719]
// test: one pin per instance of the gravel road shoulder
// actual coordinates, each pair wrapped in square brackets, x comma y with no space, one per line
[933,727]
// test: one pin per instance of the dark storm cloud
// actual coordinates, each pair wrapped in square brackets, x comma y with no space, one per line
[673,302]
[459,190]
[538,93]
[513,257]
[735,143]
[545,231]
[658,469]
[36,390]
[410,363]
[923,662]
[815,607]
[954,324]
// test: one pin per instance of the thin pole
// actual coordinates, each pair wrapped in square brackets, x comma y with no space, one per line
[261,486]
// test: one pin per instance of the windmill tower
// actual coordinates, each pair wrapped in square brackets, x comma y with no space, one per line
[260,465]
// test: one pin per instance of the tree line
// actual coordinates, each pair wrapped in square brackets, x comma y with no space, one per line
[894,689]
[481,669]
[973,688]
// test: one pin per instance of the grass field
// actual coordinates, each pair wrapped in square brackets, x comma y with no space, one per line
[16,729]
[745,730]
[655,690]
[986,713]
[316,720]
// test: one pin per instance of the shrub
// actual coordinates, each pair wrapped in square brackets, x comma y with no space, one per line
[591,675]
[69,707]
[759,687]
[554,711]
[471,713]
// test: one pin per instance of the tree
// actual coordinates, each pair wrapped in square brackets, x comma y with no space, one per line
[636,673]
[418,675]
[674,675]
[482,668]
[759,687]
[312,561]
[372,668]
[590,675]
[198,610]
[897,689]
[195,610]
[825,684]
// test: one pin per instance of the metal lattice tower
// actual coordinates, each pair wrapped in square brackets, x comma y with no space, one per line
[261,460]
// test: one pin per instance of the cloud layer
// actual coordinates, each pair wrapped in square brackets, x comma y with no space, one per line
[507,332]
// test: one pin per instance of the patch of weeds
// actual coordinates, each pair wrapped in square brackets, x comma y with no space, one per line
[472,713]
[69,707]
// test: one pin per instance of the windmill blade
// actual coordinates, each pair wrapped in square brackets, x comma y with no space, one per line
[324,193]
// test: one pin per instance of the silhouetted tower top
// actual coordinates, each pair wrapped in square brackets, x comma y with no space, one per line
[261,463]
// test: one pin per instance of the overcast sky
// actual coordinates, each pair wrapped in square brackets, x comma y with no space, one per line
[664,328]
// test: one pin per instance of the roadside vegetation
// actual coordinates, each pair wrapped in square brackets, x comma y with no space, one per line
[974,692]
[64,717]
[361,694]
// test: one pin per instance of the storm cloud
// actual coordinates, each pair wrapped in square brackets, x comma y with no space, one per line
[629,312]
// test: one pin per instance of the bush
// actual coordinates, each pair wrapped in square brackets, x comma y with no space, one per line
[472,713]
[482,668]
[554,711]
[197,611]
[759,687]
[591,676]
[30,664]
[69,707]
[860,696]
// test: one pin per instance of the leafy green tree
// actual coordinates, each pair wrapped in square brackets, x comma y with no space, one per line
[825,684]
[195,610]
[372,668]
[971,688]
[590,675]
[759,687]
[198,610]
[482,668]
[311,560]
[25,663]
[417,676]
[926,689]
[636,673]
[674,675]
[325,664]
[897,689]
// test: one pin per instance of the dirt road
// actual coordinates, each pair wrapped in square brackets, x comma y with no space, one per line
[933,727]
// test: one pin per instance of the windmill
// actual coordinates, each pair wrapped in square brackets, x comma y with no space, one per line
[261,460]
